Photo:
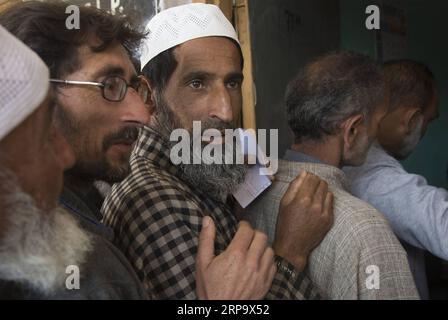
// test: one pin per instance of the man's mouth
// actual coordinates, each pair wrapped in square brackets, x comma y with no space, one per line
[124,139]
[128,142]
[124,143]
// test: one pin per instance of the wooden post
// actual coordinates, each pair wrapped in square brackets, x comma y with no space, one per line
[5,4]
[239,15]
[249,97]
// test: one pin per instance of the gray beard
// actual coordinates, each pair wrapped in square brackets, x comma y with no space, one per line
[36,247]
[358,155]
[411,141]
[217,181]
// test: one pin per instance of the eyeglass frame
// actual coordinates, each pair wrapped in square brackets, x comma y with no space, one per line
[102,85]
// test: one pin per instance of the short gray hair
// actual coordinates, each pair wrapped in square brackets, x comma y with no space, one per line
[331,89]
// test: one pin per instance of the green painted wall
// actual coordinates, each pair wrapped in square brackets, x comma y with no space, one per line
[428,43]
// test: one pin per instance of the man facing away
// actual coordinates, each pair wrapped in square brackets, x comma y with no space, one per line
[99,107]
[194,65]
[417,212]
[333,107]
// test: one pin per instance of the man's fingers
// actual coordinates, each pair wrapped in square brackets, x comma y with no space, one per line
[267,261]
[206,247]
[243,237]
[271,276]
[320,195]
[294,187]
[258,246]
[328,208]
[309,188]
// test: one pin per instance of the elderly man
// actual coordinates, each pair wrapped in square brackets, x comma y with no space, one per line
[99,108]
[37,241]
[333,107]
[417,211]
[194,65]
[89,67]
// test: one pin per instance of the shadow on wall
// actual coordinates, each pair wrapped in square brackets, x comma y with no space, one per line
[286,35]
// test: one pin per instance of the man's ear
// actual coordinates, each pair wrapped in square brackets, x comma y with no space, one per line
[351,129]
[151,101]
[410,118]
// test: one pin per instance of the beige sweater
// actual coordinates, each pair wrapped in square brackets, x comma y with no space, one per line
[360,258]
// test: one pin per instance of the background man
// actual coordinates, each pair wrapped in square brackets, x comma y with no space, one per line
[334,106]
[194,65]
[418,213]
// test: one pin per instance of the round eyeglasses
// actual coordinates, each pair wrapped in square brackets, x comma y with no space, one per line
[114,88]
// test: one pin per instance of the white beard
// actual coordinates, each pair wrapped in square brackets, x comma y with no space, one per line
[36,247]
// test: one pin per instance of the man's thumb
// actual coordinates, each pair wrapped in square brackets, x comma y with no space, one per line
[206,248]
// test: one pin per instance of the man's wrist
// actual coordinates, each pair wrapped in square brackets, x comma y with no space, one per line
[299,262]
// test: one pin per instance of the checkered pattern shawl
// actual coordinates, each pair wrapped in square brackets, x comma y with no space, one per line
[157,220]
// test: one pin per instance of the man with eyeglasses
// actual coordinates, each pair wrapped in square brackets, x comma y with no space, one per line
[113,88]
[100,106]
[99,110]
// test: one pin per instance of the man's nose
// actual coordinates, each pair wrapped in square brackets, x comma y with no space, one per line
[221,104]
[63,151]
[134,109]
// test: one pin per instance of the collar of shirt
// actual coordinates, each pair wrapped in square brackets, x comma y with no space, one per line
[377,157]
[153,147]
[83,208]
[296,156]
[330,174]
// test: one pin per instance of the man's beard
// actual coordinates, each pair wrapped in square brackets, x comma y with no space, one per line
[36,247]
[214,180]
[411,141]
[358,154]
[98,167]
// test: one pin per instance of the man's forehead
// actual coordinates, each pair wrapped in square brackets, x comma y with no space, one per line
[192,54]
[114,59]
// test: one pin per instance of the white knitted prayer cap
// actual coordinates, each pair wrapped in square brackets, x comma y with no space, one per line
[180,24]
[24,82]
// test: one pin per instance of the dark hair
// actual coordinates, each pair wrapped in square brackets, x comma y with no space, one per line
[331,89]
[411,83]
[42,27]
[160,69]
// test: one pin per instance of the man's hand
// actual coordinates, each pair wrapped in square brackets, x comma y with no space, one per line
[244,271]
[305,217]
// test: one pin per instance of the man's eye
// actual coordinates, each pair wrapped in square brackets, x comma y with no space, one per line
[234,84]
[196,84]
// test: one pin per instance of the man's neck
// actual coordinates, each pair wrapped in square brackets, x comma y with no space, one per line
[78,184]
[328,151]
[84,189]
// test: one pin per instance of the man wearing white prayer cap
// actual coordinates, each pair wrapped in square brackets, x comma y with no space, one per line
[37,241]
[193,61]
[99,125]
